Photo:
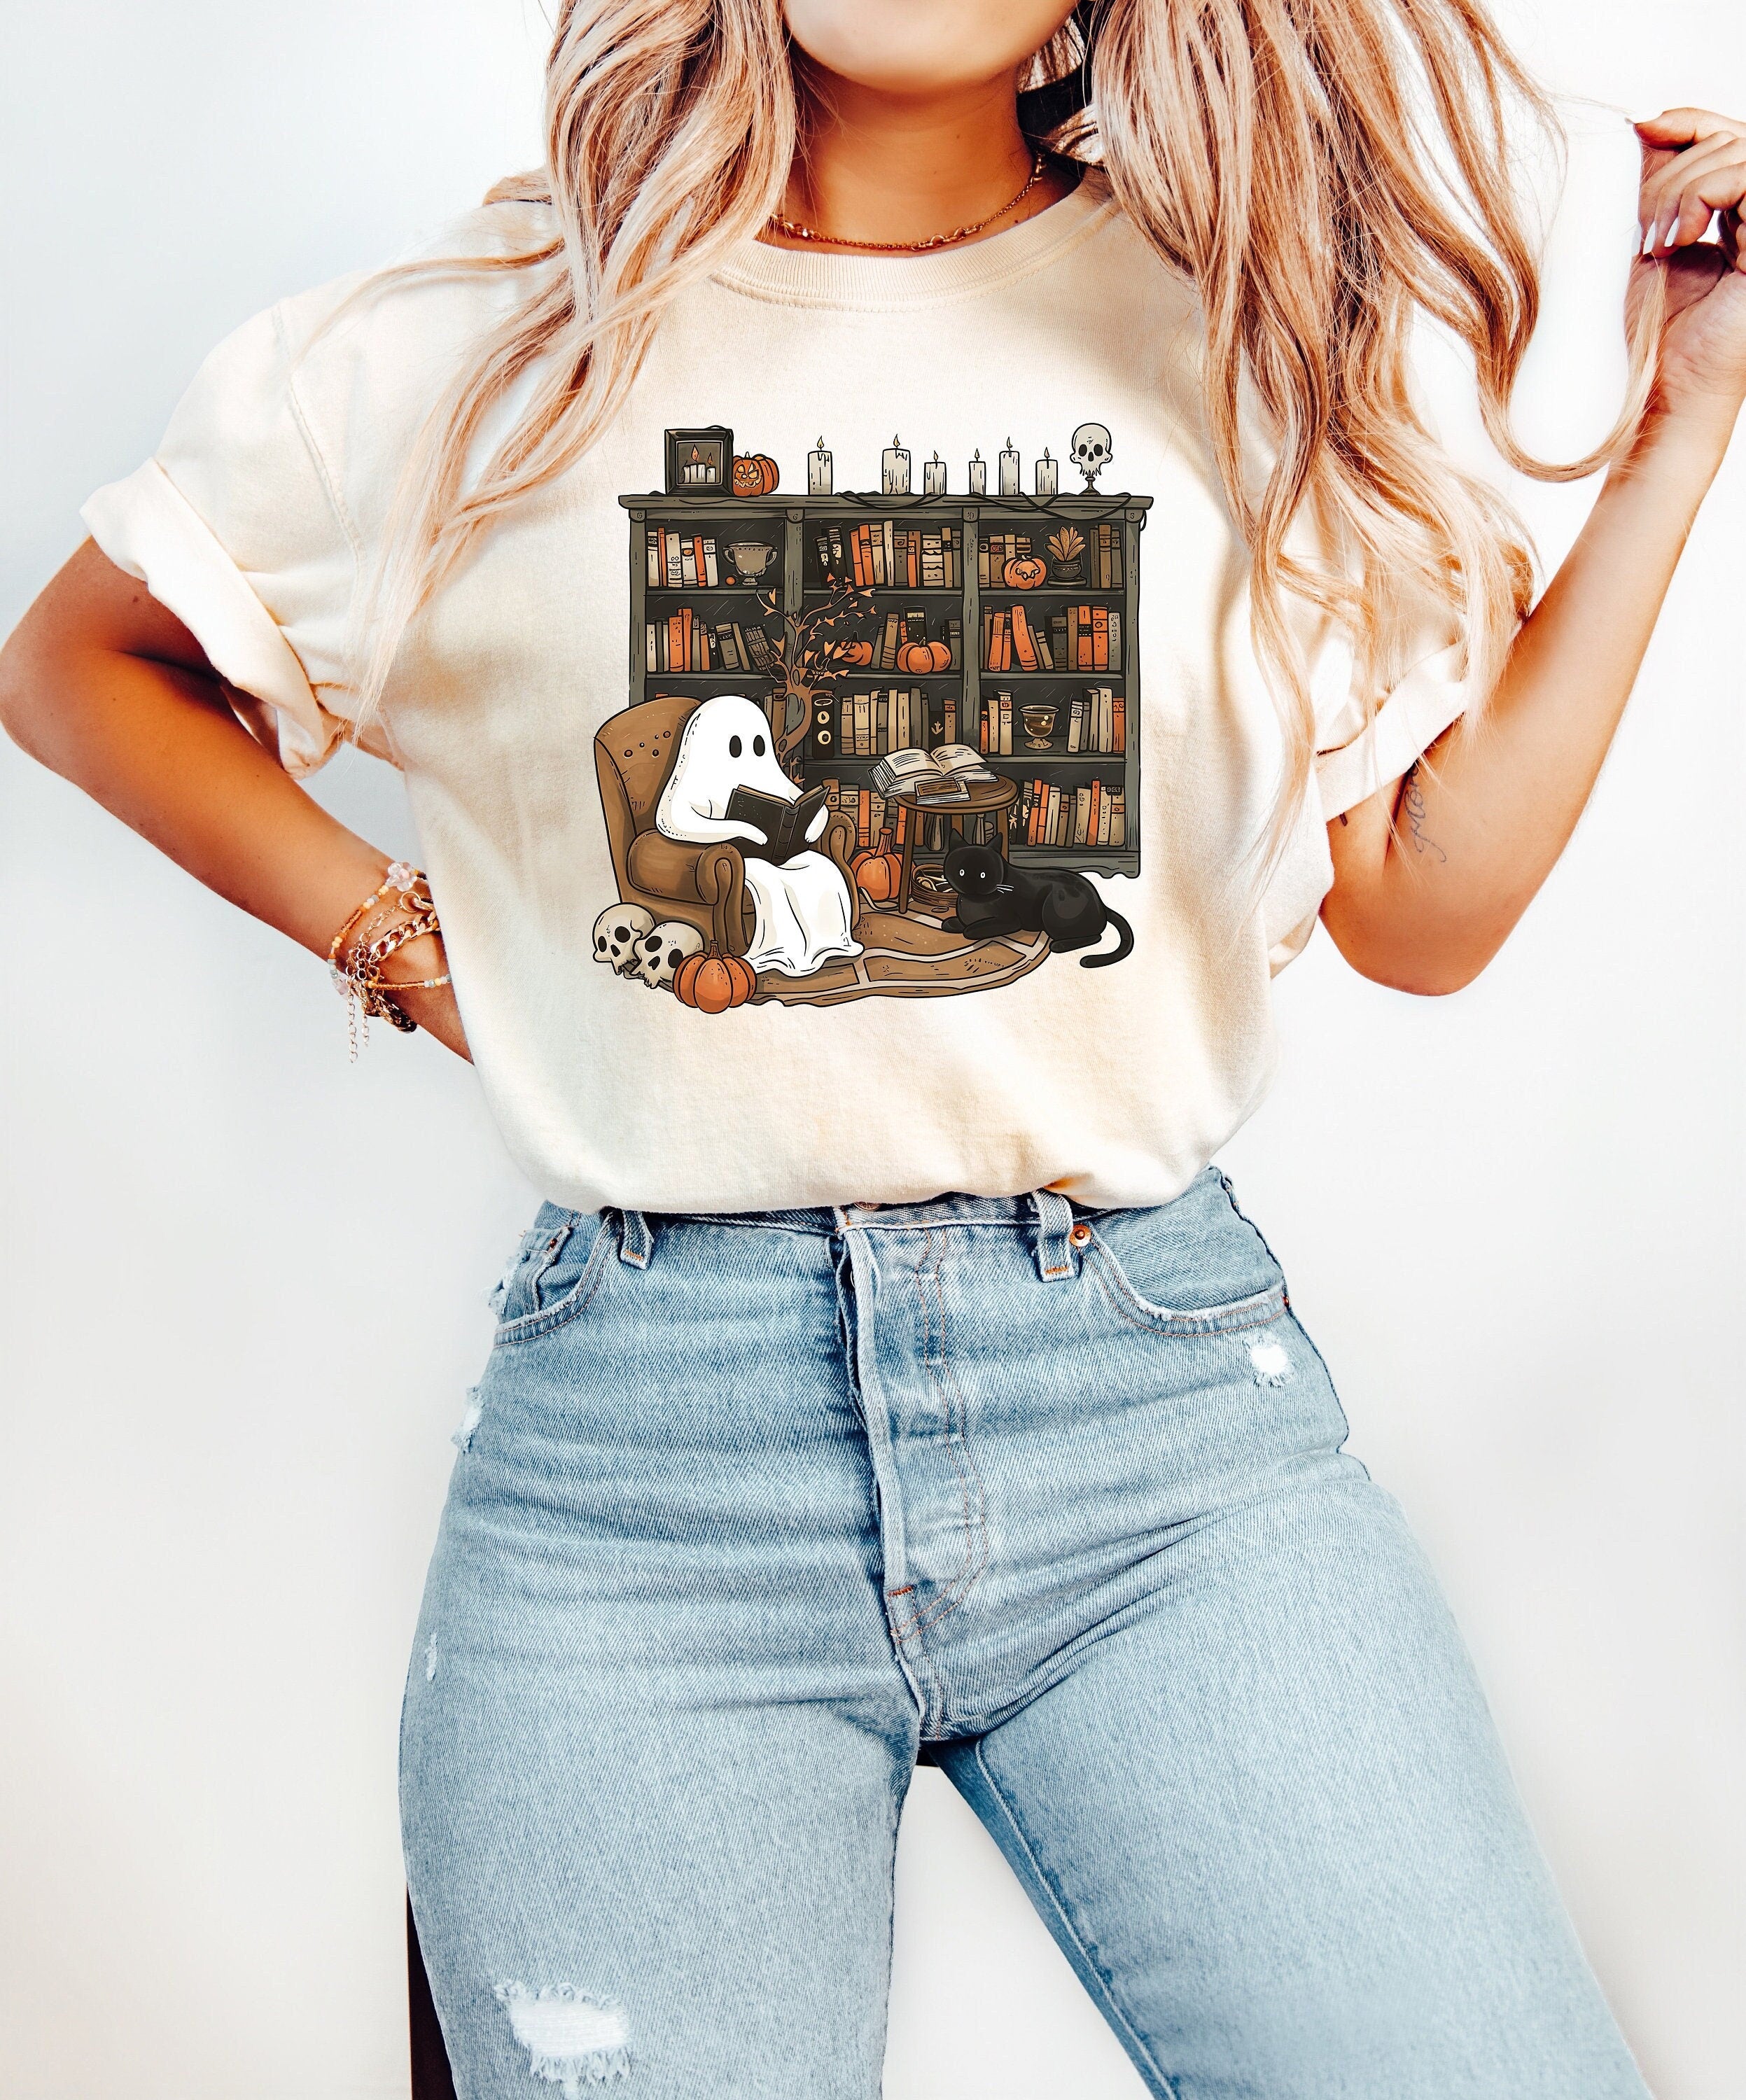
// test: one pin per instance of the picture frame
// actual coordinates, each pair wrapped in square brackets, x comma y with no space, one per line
[700,462]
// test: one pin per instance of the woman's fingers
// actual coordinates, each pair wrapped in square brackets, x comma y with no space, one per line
[1677,207]
[1695,166]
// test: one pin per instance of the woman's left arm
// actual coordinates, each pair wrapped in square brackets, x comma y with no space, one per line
[1478,830]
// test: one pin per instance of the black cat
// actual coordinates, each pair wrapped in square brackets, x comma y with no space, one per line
[993,898]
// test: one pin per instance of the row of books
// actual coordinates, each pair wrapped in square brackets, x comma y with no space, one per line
[882,554]
[1082,637]
[1096,721]
[681,561]
[872,724]
[1093,815]
[902,627]
[1104,553]
[865,809]
[686,641]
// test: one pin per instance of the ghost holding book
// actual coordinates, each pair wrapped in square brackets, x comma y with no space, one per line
[804,910]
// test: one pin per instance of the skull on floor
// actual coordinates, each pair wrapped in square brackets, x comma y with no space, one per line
[617,931]
[660,952]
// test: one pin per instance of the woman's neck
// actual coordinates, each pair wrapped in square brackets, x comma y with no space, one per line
[879,167]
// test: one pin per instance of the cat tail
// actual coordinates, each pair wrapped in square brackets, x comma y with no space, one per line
[1123,947]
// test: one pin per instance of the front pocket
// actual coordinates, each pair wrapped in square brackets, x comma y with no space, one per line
[555,1279]
[1253,1308]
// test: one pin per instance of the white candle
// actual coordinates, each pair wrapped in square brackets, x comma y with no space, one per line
[1048,476]
[894,470]
[933,476]
[1011,466]
[818,471]
[978,473]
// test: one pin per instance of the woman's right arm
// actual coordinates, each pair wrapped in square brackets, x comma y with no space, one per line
[110,690]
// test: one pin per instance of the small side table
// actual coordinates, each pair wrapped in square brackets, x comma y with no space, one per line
[988,798]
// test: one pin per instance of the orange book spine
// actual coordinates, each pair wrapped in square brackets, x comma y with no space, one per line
[864,818]
[1093,836]
[1119,742]
[1100,639]
[1022,641]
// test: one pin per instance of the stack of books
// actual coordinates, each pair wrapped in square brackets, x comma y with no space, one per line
[1106,557]
[681,561]
[873,725]
[996,736]
[883,555]
[1094,815]
[1083,637]
[685,641]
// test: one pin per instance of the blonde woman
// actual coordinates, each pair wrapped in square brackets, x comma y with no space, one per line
[890,1373]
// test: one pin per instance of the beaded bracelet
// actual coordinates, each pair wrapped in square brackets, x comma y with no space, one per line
[358,952]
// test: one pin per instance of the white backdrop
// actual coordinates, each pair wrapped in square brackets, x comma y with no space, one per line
[244,1283]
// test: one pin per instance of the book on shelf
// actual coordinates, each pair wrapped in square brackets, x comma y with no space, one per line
[872,724]
[1097,721]
[993,551]
[683,641]
[862,808]
[1106,557]
[881,554]
[1088,817]
[676,560]
[785,825]
[941,775]
[995,734]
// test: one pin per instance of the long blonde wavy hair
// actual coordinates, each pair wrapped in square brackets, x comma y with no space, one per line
[1324,171]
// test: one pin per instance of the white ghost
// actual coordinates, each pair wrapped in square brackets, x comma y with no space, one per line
[804,908]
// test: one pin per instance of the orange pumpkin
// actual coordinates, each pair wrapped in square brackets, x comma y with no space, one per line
[755,474]
[856,652]
[878,872]
[713,983]
[926,657]
[1026,572]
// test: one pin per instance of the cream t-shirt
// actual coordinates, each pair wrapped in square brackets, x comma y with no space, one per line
[771,579]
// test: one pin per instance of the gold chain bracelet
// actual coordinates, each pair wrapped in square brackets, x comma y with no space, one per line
[364,943]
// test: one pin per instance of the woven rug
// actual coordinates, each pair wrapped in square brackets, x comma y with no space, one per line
[907,958]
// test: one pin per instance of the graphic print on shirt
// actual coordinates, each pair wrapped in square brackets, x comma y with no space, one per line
[816,795]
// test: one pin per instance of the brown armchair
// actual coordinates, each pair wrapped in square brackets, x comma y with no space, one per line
[633,755]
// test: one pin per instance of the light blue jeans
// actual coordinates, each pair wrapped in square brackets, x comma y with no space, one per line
[750,1512]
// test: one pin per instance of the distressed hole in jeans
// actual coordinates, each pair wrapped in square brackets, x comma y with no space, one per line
[1272,1364]
[463,1436]
[572,2040]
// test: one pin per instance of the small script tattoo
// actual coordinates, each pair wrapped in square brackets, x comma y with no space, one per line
[1413,801]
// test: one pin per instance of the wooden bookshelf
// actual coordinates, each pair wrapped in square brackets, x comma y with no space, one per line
[954,699]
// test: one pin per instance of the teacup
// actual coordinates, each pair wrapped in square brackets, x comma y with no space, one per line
[751,558]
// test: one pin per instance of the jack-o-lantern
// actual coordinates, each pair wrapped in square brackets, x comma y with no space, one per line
[1024,573]
[880,871]
[755,474]
[925,657]
[713,983]
[855,652]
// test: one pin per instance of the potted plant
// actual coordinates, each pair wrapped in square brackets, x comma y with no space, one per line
[1067,555]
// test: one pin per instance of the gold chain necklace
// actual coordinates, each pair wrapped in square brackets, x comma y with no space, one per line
[796,231]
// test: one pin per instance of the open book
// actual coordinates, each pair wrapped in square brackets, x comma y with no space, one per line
[784,824]
[943,775]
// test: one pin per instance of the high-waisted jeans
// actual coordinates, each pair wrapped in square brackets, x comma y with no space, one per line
[752,1511]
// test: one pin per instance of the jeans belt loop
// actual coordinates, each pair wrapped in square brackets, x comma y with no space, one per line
[636,1241]
[1056,1258]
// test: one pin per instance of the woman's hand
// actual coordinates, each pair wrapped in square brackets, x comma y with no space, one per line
[1695,167]
[435,1010]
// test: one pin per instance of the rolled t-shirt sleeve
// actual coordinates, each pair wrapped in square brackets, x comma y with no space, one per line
[1355,756]
[237,526]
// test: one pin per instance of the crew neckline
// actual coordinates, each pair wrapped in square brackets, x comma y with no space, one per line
[887,284]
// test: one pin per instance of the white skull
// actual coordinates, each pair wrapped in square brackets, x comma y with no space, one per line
[617,931]
[659,953]
[1090,450]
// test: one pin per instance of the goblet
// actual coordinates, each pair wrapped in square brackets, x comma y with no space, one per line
[1039,726]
